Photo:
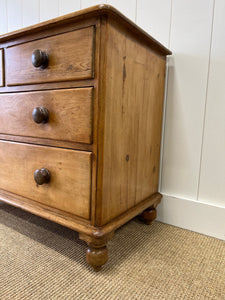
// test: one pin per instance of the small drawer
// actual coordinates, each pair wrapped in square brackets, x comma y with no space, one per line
[65,174]
[68,114]
[63,57]
[1,68]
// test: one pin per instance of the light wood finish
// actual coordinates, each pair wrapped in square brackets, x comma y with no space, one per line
[70,57]
[70,184]
[48,86]
[53,214]
[70,114]
[88,13]
[47,142]
[1,68]
[133,117]
[112,115]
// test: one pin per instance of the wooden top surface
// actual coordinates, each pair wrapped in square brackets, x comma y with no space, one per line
[98,10]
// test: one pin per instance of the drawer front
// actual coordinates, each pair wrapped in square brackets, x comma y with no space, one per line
[1,68]
[69,188]
[70,58]
[70,114]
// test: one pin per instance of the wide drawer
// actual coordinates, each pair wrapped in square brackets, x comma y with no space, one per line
[69,188]
[70,57]
[70,114]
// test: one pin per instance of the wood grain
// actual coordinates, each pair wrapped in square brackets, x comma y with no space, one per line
[133,119]
[70,184]
[48,86]
[1,68]
[153,200]
[87,232]
[47,142]
[53,214]
[112,176]
[101,119]
[91,12]
[70,57]
[70,114]
[96,103]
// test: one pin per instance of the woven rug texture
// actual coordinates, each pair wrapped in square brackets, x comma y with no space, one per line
[43,260]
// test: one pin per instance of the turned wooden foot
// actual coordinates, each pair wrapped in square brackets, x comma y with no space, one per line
[97,252]
[148,215]
[96,256]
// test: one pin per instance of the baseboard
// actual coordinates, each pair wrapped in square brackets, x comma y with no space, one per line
[193,215]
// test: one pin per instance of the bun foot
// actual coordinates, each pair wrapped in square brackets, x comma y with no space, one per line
[97,252]
[96,256]
[148,215]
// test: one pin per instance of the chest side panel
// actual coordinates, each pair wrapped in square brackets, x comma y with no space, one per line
[134,92]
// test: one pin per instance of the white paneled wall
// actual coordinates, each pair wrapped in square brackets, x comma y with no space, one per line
[193,154]
[30,12]
[187,84]
[68,6]
[3,16]
[48,9]
[14,14]
[148,18]
[212,180]
[127,7]
[88,3]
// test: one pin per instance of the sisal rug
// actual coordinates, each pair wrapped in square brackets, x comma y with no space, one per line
[43,260]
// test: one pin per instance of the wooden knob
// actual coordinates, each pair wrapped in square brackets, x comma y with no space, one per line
[42,176]
[39,59]
[40,115]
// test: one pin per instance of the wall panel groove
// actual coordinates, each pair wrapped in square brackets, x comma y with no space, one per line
[206,97]
[188,67]
[212,177]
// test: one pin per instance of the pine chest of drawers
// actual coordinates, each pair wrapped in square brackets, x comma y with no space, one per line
[81,100]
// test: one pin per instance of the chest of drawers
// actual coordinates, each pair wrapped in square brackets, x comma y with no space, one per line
[81,100]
